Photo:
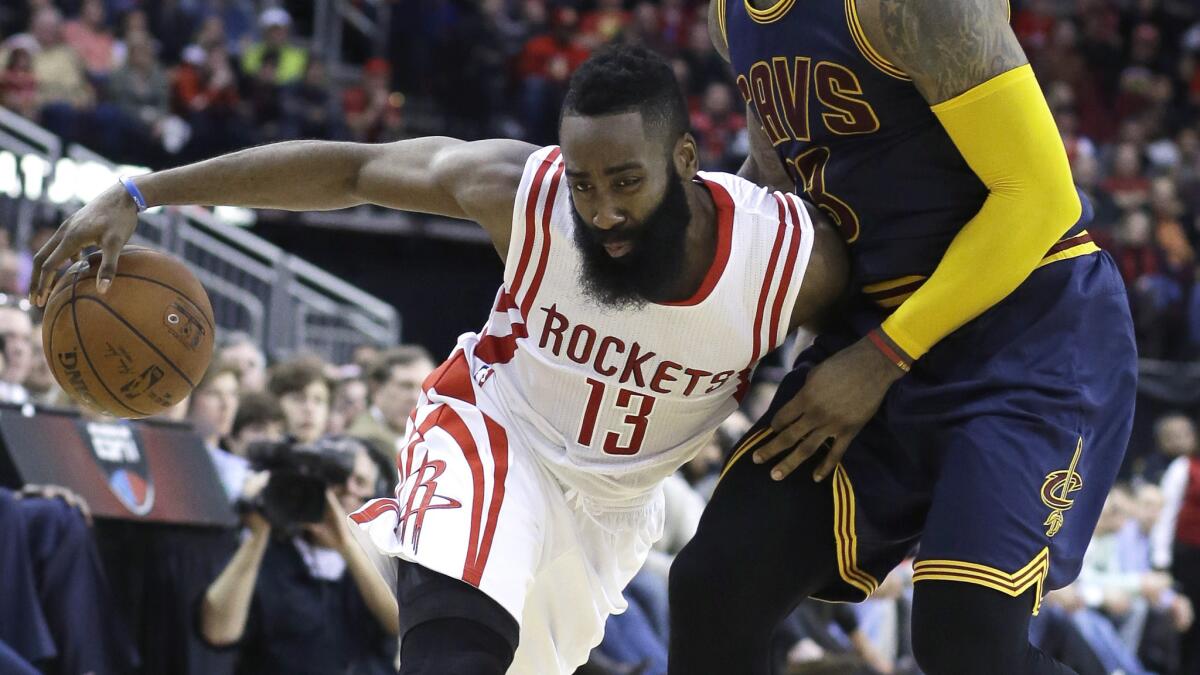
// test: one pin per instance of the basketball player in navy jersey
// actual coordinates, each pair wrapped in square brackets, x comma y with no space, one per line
[977,396]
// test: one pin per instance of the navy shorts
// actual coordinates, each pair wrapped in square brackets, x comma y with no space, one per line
[993,458]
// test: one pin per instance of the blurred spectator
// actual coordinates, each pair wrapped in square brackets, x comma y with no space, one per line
[18,84]
[395,383]
[276,25]
[212,408]
[57,67]
[604,23]
[16,330]
[311,108]
[319,605]
[258,418]
[374,112]
[205,94]
[264,98]
[141,91]
[237,18]
[92,39]
[242,352]
[1176,539]
[303,392]
[350,399]
[40,383]
[720,129]
[1126,185]
[544,66]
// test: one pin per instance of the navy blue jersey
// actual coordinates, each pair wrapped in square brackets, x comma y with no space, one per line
[856,135]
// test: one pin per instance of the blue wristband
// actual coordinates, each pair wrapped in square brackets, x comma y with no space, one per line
[134,192]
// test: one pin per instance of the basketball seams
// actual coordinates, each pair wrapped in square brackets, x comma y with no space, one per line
[173,290]
[143,338]
[83,348]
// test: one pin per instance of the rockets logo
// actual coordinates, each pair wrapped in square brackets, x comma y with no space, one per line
[422,499]
[1056,492]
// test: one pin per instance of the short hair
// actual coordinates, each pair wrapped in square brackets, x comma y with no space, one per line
[293,376]
[404,355]
[626,78]
[255,408]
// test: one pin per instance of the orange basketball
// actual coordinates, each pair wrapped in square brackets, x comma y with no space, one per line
[136,350]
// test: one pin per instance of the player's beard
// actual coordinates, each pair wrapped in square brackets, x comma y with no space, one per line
[653,265]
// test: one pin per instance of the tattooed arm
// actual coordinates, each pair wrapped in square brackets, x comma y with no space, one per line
[947,47]
[964,59]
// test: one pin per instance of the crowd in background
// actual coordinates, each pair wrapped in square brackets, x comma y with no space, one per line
[161,83]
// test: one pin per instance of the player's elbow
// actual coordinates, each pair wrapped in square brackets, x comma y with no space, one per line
[216,626]
[1061,203]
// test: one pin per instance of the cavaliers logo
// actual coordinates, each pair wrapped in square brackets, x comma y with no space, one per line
[116,451]
[1056,492]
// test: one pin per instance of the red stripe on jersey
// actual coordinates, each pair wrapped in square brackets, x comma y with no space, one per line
[547,212]
[374,509]
[724,204]
[454,425]
[530,212]
[743,384]
[789,268]
[766,287]
[494,350]
[505,302]
[452,378]
[498,444]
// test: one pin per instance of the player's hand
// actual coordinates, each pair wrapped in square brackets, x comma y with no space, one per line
[333,531]
[108,221]
[838,398]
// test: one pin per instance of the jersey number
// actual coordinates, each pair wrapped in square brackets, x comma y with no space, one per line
[639,407]
[809,169]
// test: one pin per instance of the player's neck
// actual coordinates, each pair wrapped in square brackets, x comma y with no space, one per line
[700,244]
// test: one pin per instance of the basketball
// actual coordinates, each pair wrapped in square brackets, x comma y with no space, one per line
[140,348]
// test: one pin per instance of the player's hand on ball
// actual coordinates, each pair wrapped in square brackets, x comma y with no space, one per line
[108,221]
[838,398]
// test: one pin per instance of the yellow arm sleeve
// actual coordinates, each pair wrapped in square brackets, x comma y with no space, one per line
[1005,131]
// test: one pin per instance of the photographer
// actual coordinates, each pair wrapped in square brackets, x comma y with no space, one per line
[319,605]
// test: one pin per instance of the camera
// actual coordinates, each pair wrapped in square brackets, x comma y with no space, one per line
[300,474]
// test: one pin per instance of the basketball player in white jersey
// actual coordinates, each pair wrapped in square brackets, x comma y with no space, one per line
[638,295]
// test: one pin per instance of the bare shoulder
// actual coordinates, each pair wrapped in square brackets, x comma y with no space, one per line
[947,47]
[497,162]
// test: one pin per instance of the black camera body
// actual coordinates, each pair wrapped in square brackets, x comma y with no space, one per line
[300,474]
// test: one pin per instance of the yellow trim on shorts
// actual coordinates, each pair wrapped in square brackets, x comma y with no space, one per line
[1073,252]
[721,22]
[747,445]
[844,535]
[1031,575]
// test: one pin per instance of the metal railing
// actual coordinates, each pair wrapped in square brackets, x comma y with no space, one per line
[285,303]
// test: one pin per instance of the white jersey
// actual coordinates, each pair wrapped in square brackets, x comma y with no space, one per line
[614,401]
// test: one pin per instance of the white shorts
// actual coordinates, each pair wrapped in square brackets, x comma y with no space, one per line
[475,505]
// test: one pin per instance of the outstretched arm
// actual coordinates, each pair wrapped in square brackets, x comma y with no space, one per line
[443,176]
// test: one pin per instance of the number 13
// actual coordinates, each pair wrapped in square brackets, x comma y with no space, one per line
[637,421]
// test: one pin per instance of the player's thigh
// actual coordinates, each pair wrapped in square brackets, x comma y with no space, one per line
[759,540]
[471,505]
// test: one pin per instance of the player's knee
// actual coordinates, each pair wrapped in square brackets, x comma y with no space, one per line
[690,581]
[454,647]
[962,628]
